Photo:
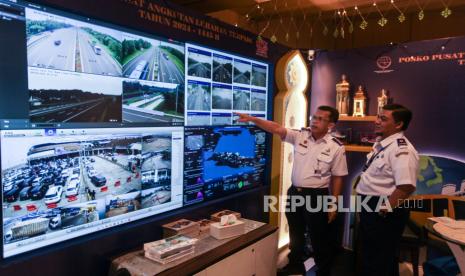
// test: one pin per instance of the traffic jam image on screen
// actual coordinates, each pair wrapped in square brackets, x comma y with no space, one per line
[59,179]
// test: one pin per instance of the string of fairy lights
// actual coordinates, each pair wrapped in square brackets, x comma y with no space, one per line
[303,18]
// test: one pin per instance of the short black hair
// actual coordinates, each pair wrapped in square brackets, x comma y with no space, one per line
[400,114]
[333,113]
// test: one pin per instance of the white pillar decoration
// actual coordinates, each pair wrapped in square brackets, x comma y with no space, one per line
[290,110]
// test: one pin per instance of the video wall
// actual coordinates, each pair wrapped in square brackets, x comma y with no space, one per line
[103,125]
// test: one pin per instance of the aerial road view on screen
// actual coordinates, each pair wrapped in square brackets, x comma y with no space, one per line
[60,43]
[152,60]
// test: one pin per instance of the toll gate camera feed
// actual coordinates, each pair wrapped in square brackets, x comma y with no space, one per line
[58,179]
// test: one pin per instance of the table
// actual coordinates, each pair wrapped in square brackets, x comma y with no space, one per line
[457,246]
[208,251]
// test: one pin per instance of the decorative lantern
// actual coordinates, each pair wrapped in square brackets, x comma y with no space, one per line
[359,103]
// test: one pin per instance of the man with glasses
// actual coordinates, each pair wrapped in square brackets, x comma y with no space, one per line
[319,166]
[390,172]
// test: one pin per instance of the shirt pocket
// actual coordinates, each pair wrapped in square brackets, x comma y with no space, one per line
[323,163]
[379,166]
[300,150]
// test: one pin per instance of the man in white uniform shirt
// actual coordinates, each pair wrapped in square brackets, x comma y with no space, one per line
[390,171]
[318,169]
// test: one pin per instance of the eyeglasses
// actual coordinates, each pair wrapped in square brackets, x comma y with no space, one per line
[318,119]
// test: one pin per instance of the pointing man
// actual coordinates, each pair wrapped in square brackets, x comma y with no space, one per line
[319,165]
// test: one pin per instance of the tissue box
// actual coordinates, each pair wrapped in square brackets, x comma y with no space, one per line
[217,216]
[228,231]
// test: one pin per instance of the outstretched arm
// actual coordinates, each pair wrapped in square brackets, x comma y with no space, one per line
[268,126]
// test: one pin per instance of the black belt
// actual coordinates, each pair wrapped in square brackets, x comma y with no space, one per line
[301,189]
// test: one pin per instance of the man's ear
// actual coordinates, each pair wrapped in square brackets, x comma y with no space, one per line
[331,126]
[399,125]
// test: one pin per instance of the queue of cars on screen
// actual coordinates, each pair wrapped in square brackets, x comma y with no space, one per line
[49,180]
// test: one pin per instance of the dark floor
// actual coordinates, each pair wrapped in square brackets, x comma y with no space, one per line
[343,265]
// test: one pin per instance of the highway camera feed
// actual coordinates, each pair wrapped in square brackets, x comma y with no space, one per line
[222,69]
[75,71]
[57,96]
[152,60]
[52,183]
[258,75]
[199,63]
[242,71]
[60,43]
[258,100]
[198,95]
[153,102]
[241,98]
[221,96]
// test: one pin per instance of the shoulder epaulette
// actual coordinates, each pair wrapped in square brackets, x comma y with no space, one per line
[401,142]
[337,141]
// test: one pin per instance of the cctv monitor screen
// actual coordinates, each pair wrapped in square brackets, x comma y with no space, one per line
[92,120]
[219,84]
[62,68]
[222,160]
[58,184]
